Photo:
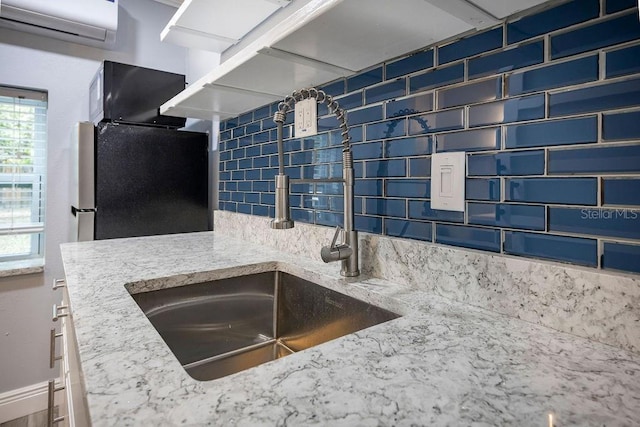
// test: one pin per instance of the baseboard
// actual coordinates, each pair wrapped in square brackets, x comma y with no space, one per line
[23,401]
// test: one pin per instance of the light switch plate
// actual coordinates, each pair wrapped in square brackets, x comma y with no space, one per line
[448,171]
[306,118]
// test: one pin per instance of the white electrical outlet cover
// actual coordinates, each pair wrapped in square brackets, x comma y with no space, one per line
[448,171]
[306,118]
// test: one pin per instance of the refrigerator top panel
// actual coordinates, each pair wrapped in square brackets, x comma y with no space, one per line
[131,94]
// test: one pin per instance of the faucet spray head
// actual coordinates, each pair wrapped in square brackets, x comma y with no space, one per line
[283,214]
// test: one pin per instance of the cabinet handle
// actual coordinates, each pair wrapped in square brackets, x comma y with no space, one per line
[52,348]
[57,315]
[51,389]
[58,283]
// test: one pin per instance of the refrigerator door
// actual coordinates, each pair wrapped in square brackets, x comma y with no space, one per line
[82,181]
[150,181]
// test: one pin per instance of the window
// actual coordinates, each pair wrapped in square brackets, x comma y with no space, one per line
[23,141]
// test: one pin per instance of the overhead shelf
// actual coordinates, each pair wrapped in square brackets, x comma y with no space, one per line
[311,42]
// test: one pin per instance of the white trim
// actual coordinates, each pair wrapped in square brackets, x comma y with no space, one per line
[23,401]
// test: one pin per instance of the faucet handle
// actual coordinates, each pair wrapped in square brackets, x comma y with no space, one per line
[335,237]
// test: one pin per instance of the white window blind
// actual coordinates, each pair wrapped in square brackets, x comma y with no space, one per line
[23,141]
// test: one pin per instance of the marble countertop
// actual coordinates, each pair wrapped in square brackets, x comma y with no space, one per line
[441,363]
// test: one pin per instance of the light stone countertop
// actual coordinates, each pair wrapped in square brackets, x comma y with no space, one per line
[442,363]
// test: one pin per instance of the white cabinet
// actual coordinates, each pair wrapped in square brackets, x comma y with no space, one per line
[68,395]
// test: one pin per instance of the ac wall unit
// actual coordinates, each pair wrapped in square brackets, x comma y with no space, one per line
[89,22]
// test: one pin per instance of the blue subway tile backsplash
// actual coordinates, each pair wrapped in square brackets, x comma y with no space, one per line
[601,34]
[562,16]
[547,105]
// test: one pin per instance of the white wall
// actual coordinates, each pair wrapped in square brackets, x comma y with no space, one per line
[65,70]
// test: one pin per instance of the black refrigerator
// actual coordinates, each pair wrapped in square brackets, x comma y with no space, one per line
[138,178]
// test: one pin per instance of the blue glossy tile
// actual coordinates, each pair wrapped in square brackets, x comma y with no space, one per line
[229,206]
[245,164]
[567,191]
[410,64]
[334,89]
[407,106]
[613,6]
[327,155]
[506,215]
[286,133]
[386,91]
[244,208]
[237,196]
[303,215]
[315,201]
[294,172]
[595,160]
[358,169]
[261,137]
[231,165]
[618,256]
[437,122]
[336,204]
[260,210]
[333,188]
[436,78]
[408,229]
[292,145]
[507,60]
[596,98]
[386,129]
[322,140]
[232,144]
[595,36]
[504,164]
[624,223]
[419,209]
[253,151]
[387,207]
[260,162]
[239,153]
[267,199]
[225,155]
[225,176]
[574,72]
[243,119]
[268,123]
[415,188]
[469,46]
[622,126]
[469,140]
[364,79]
[252,197]
[420,167]
[224,196]
[252,174]
[549,20]
[261,186]
[368,224]
[486,90]
[468,237]
[328,123]
[232,123]
[356,134]
[404,147]
[368,187]
[332,219]
[269,174]
[557,132]
[350,101]
[385,168]
[274,160]
[623,61]
[237,175]
[482,189]
[368,150]
[558,248]
[270,148]
[238,132]
[252,128]
[298,188]
[623,191]
[316,172]
[262,112]
[224,136]
[364,115]
[511,110]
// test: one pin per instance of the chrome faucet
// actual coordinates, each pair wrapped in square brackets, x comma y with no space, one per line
[347,250]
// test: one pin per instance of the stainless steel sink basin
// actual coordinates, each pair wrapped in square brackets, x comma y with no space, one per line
[221,327]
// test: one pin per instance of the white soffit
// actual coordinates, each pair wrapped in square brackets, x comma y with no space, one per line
[503,8]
